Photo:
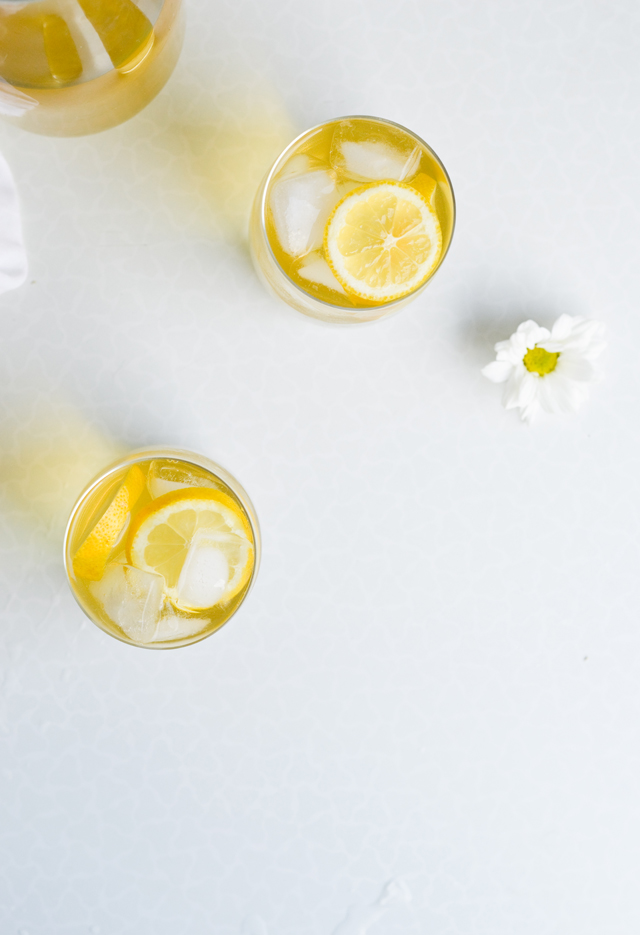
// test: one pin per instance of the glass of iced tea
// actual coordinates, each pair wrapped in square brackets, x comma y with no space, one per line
[162,548]
[352,220]
[70,67]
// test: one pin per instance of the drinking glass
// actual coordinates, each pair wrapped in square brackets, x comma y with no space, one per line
[353,220]
[71,67]
[162,548]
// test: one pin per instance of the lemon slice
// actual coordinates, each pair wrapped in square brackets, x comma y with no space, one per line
[91,558]
[199,541]
[382,241]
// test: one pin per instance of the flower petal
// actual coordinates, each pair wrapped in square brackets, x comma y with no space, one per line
[595,349]
[575,367]
[513,350]
[530,412]
[546,395]
[512,353]
[562,327]
[511,392]
[529,387]
[497,371]
[520,389]
[531,333]
[582,335]
[566,395]
[503,346]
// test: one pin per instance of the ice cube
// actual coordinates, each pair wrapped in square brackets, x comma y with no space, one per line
[314,268]
[205,573]
[300,207]
[297,165]
[379,153]
[131,598]
[174,625]
[166,477]
[119,556]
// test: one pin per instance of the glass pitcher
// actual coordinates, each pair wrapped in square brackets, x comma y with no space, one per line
[71,67]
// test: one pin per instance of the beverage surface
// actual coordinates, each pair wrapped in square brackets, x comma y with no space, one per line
[360,213]
[161,550]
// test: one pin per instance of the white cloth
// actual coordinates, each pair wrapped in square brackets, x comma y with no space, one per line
[13,257]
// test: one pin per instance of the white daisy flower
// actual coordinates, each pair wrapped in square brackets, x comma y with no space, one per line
[548,370]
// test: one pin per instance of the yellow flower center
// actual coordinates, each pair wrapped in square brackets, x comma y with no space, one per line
[539,361]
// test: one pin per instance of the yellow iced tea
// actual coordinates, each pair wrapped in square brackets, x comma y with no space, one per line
[354,218]
[71,67]
[160,550]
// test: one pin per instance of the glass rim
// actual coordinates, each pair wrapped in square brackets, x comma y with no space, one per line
[179,454]
[277,164]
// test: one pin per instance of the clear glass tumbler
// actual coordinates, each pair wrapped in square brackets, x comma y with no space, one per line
[71,67]
[352,220]
[162,548]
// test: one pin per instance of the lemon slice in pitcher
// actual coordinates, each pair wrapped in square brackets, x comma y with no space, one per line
[199,541]
[383,241]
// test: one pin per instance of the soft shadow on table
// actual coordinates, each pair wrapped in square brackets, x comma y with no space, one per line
[49,452]
[213,147]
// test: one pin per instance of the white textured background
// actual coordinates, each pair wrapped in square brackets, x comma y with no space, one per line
[437,676]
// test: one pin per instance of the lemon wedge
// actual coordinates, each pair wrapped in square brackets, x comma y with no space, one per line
[91,558]
[382,241]
[199,541]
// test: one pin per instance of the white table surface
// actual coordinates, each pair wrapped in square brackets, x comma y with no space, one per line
[437,677]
